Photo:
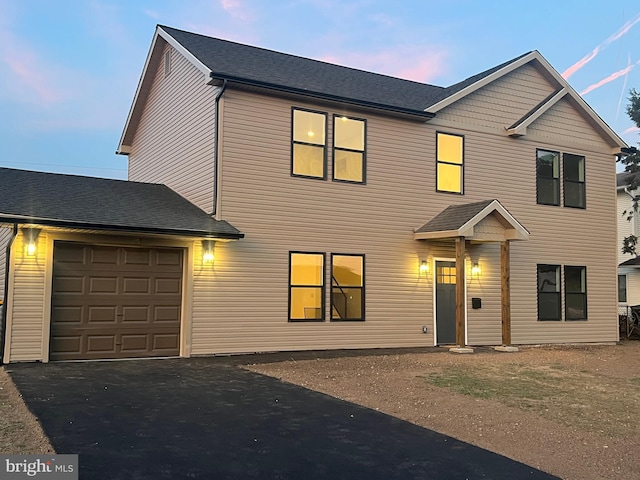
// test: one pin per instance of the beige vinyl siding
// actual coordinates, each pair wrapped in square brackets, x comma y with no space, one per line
[574,127]
[5,238]
[26,304]
[174,141]
[502,102]
[246,308]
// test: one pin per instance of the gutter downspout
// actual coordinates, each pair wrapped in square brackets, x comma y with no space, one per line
[3,330]
[215,146]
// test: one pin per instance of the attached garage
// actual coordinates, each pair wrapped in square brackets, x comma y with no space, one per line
[115,302]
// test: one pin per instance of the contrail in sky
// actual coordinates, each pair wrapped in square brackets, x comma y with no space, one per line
[608,79]
[587,58]
[624,88]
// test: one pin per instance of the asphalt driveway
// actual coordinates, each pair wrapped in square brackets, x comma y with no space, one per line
[208,418]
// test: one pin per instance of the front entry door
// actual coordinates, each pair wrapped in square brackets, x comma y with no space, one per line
[445,302]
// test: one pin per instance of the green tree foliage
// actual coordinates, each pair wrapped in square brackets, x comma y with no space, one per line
[631,161]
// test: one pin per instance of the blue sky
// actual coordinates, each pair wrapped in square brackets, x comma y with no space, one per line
[69,68]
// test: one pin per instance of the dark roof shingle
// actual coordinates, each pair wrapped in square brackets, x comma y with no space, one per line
[100,203]
[453,217]
[229,59]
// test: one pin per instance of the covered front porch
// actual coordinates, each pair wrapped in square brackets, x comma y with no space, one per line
[478,236]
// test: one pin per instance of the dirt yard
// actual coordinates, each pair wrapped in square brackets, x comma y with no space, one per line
[571,411]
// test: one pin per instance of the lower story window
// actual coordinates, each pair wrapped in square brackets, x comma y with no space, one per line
[549,292]
[306,286]
[622,288]
[347,287]
[575,293]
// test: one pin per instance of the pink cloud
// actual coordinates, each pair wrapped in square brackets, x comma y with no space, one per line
[237,9]
[411,63]
[631,130]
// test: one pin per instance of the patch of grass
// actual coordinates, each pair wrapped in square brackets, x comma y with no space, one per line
[580,399]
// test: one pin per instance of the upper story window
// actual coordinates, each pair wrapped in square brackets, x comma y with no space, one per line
[308,153]
[348,149]
[450,163]
[548,177]
[574,184]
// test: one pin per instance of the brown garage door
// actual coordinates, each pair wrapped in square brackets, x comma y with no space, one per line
[115,302]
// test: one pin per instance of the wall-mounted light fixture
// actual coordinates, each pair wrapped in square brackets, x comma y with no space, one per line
[424,268]
[30,241]
[475,269]
[207,251]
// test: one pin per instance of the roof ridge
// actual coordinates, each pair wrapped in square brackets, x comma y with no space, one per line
[293,55]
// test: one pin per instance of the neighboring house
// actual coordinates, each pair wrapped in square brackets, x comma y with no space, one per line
[367,211]
[628,265]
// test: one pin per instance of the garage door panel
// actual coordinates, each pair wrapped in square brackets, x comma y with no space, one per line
[135,314]
[103,285]
[68,284]
[101,344]
[171,286]
[135,343]
[67,314]
[132,285]
[114,302]
[165,342]
[168,258]
[102,255]
[69,345]
[101,314]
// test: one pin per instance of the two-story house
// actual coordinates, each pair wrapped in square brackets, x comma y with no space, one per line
[338,209]
[628,265]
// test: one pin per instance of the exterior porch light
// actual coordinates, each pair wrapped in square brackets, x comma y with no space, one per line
[424,268]
[207,251]
[475,269]
[30,241]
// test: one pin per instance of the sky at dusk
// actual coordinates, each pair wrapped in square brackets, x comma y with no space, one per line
[69,68]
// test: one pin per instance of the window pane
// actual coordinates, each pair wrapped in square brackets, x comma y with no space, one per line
[347,270]
[622,288]
[307,269]
[549,191]
[449,148]
[573,167]
[574,195]
[348,166]
[306,303]
[575,279]
[576,306]
[449,178]
[548,278]
[349,133]
[548,164]
[308,160]
[548,306]
[308,127]
[346,303]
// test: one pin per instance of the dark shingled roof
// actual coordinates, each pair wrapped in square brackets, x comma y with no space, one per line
[99,203]
[622,179]
[453,217]
[631,262]
[261,66]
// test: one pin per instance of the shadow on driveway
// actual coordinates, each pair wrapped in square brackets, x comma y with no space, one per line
[207,418]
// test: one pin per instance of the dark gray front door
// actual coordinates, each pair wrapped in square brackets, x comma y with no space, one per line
[445,303]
